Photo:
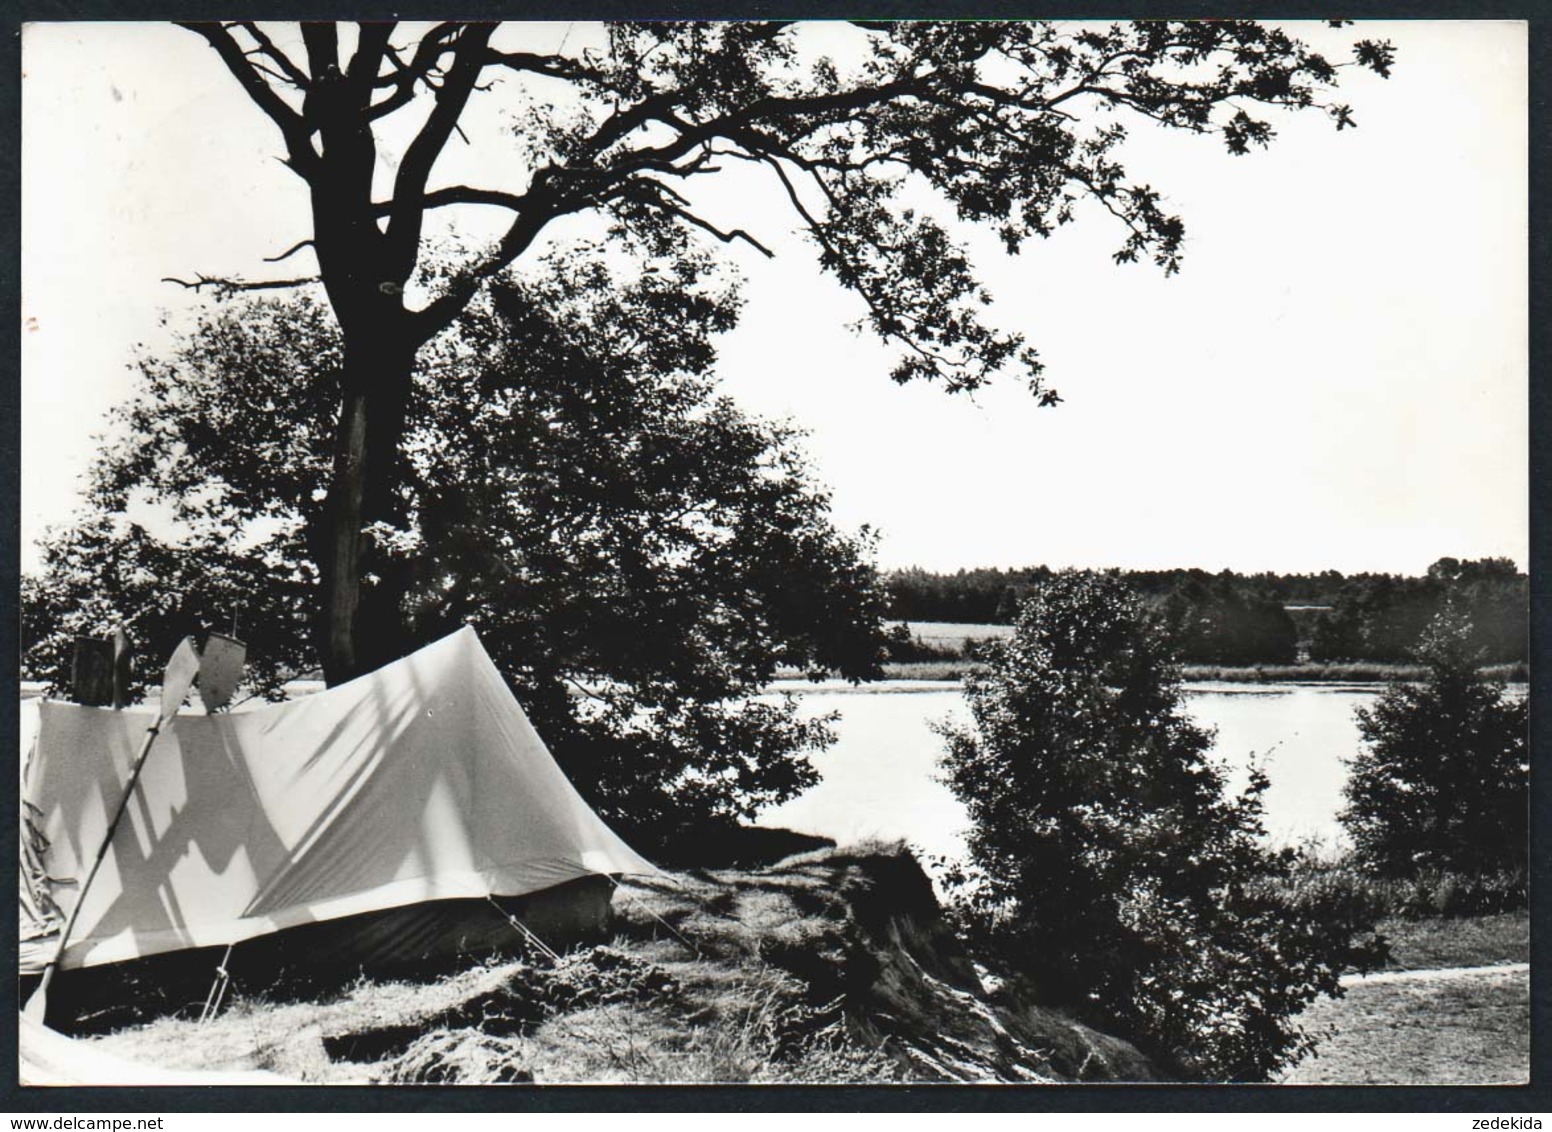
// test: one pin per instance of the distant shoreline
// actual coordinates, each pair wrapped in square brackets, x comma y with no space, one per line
[951,640]
[954,671]
[1355,673]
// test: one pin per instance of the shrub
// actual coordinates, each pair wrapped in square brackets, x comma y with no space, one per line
[1109,864]
[1441,783]
[1424,895]
[904,647]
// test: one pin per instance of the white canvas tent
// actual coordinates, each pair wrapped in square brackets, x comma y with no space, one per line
[423,781]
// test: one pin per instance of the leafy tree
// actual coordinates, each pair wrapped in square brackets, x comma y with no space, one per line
[1008,125]
[1382,617]
[1338,634]
[1228,620]
[1494,596]
[1110,866]
[1442,780]
[638,555]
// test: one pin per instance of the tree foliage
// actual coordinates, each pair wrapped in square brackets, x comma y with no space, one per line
[1383,617]
[1223,618]
[1224,623]
[1006,125]
[1232,618]
[1009,122]
[1441,783]
[638,555]
[1111,866]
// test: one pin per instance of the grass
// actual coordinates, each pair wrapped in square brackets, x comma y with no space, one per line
[639,1011]
[1347,673]
[955,632]
[1461,941]
[1434,1029]
[955,669]
[1429,894]
[1468,1030]
[1365,672]
[945,670]
[294,1039]
[750,1028]
[1414,1023]
[834,966]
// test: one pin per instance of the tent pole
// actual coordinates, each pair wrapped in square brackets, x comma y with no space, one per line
[217,988]
[529,935]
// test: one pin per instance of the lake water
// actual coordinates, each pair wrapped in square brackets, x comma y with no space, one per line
[880,777]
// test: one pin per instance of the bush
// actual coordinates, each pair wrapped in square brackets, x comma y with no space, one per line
[1425,895]
[1111,867]
[904,647]
[1441,783]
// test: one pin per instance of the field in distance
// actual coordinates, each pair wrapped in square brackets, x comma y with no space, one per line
[954,632]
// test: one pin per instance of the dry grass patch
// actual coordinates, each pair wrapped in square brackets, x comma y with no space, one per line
[1466,1030]
[834,967]
[291,1038]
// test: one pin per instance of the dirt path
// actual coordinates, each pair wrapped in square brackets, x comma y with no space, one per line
[1439,1026]
[1433,973]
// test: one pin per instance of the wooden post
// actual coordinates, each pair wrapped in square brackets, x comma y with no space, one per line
[92,672]
[123,650]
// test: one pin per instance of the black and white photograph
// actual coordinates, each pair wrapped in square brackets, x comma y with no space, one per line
[763,553]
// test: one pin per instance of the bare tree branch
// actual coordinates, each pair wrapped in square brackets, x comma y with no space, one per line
[288,253]
[725,237]
[294,74]
[881,318]
[792,195]
[406,217]
[458,194]
[224,288]
[681,210]
[303,158]
[322,42]
[371,46]
[265,70]
[556,66]
[620,124]
[428,53]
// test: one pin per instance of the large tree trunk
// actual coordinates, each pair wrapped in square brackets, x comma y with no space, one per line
[361,617]
[360,622]
[367,254]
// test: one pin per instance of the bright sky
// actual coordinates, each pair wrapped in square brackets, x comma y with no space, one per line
[1337,379]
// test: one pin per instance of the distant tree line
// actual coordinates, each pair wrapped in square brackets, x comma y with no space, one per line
[1232,618]
[1382,617]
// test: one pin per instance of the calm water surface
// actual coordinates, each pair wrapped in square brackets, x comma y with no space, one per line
[880,778]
